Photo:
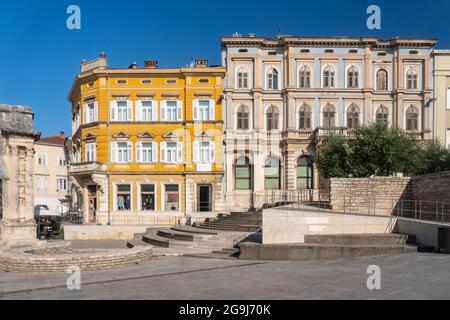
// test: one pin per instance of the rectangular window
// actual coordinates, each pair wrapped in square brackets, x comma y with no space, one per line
[42,159]
[448,98]
[91,152]
[123,152]
[171,152]
[122,111]
[62,161]
[204,152]
[61,184]
[171,110]
[147,111]
[90,112]
[148,197]
[204,110]
[41,182]
[172,198]
[147,149]
[243,178]
[123,197]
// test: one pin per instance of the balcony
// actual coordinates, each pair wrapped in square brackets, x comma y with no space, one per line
[86,168]
[323,132]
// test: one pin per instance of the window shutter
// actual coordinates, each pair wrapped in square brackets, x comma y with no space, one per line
[139,110]
[212,110]
[179,110]
[94,152]
[163,152]
[195,107]
[95,111]
[154,110]
[130,110]
[86,152]
[163,110]
[154,152]
[130,152]
[114,152]
[113,110]
[196,152]
[212,149]
[139,157]
[85,113]
[179,152]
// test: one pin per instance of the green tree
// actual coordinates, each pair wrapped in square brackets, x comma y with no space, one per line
[333,157]
[436,158]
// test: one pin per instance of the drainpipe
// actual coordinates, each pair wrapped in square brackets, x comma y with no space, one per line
[109,150]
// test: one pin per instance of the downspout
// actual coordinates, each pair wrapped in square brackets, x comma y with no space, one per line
[109,150]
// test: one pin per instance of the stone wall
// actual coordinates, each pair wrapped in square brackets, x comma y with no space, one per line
[374,195]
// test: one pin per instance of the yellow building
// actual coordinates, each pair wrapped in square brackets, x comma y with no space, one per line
[146,146]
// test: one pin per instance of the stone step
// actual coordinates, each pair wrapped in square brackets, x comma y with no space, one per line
[191,229]
[182,236]
[304,252]
[237,228]
[360,239]
[210,256]
[154,239]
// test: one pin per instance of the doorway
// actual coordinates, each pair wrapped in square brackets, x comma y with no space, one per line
[204,203]
[92,203]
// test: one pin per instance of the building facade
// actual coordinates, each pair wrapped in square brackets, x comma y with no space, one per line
[146,146]
[283,95]
[17,138]
[442,96]
[50,174]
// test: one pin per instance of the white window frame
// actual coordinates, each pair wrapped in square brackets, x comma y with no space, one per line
[269,71]
[146,113]
[199,151]
[199,110]
[90,152]
[448,98]
[163,198]
[90,112]
[140,152]
[42,182]
[178,109]
[245,79]
[139,195]
[333,77]
[41,159]
[63,186]
[115,198]
[178,156]
[115,152]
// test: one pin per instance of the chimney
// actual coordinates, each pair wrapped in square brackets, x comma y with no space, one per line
[133,66]
[150,64]
[62,134]
[103,55]
[201,63]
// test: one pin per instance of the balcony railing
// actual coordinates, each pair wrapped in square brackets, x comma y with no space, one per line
[85,167]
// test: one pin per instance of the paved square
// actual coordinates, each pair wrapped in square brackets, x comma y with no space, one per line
[408,276]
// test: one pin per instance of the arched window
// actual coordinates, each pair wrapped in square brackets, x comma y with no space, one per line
[272,79]
[243,118]
[304,77]
[352,77]
[382,80]
[352,116]
[412,119]
[242,78]
[329,116]
[243,174]
[383,115]
[328,77]
[305,117]
[273,118]
[411,79]
[304,173]
[272,173]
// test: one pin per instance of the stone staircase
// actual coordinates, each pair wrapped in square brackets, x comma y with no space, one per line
[236,221]
[193,241]
[317,247]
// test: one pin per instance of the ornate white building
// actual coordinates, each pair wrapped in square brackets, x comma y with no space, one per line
[283,95]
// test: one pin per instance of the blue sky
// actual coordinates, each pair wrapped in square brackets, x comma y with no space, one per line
[39,56]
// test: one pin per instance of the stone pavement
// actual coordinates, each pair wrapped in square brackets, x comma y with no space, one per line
[407,276]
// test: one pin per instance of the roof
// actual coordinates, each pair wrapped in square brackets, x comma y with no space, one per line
[55,140]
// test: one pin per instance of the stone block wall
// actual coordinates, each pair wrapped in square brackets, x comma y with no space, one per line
[374,195]
[426,197]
